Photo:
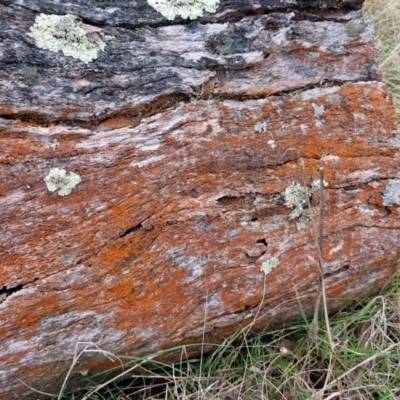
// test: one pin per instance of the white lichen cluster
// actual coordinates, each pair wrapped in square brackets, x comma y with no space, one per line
[318,110]
[268,265]
[260,127]
[65,33]
[297,198]
[184,8]
[391,194]
[316,185]
[59,180]
[55,143]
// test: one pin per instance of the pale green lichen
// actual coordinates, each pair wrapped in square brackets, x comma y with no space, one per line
[64,32]
[184,8]
[318,110]
[55,143]
[29,73]
[260,127]
[355,27]
[297,198]
[316,185]
[268,265]
[59,180]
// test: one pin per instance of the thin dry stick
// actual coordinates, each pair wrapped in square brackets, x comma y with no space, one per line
[318,241]
[324,297]
[202,341]
[319,245]
[314,323]
[321,213]
[320,254]
[36,390]
[248,327]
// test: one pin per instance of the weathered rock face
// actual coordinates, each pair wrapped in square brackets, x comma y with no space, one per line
[155,182]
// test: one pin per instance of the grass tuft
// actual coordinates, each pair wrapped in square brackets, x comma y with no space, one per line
[385,15]
[283,364]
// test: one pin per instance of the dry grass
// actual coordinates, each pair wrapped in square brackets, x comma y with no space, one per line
[283,364]
[286,364]
[385,15]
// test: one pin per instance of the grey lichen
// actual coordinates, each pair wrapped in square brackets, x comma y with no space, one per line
[318,110]
[184,8]
[355,27]
[268,265]
[64,32]
[55,143]
[59,180]
[229,42]
[260,127]
[316,185]
[29,74]
[391,194]
[297,198]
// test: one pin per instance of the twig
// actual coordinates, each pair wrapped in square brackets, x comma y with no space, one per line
[322,288]
[248,327]
[321,217]
[202,341]
[36,390]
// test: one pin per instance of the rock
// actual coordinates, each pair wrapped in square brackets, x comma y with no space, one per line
[166,185]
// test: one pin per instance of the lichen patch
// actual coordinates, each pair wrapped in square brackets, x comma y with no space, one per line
[355,27]
[268,265]
[59,180]
[297,198]
[184,8]
[55,143]
[316,185]
[64,32]
[391,194]
[260,127]
[318,110]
